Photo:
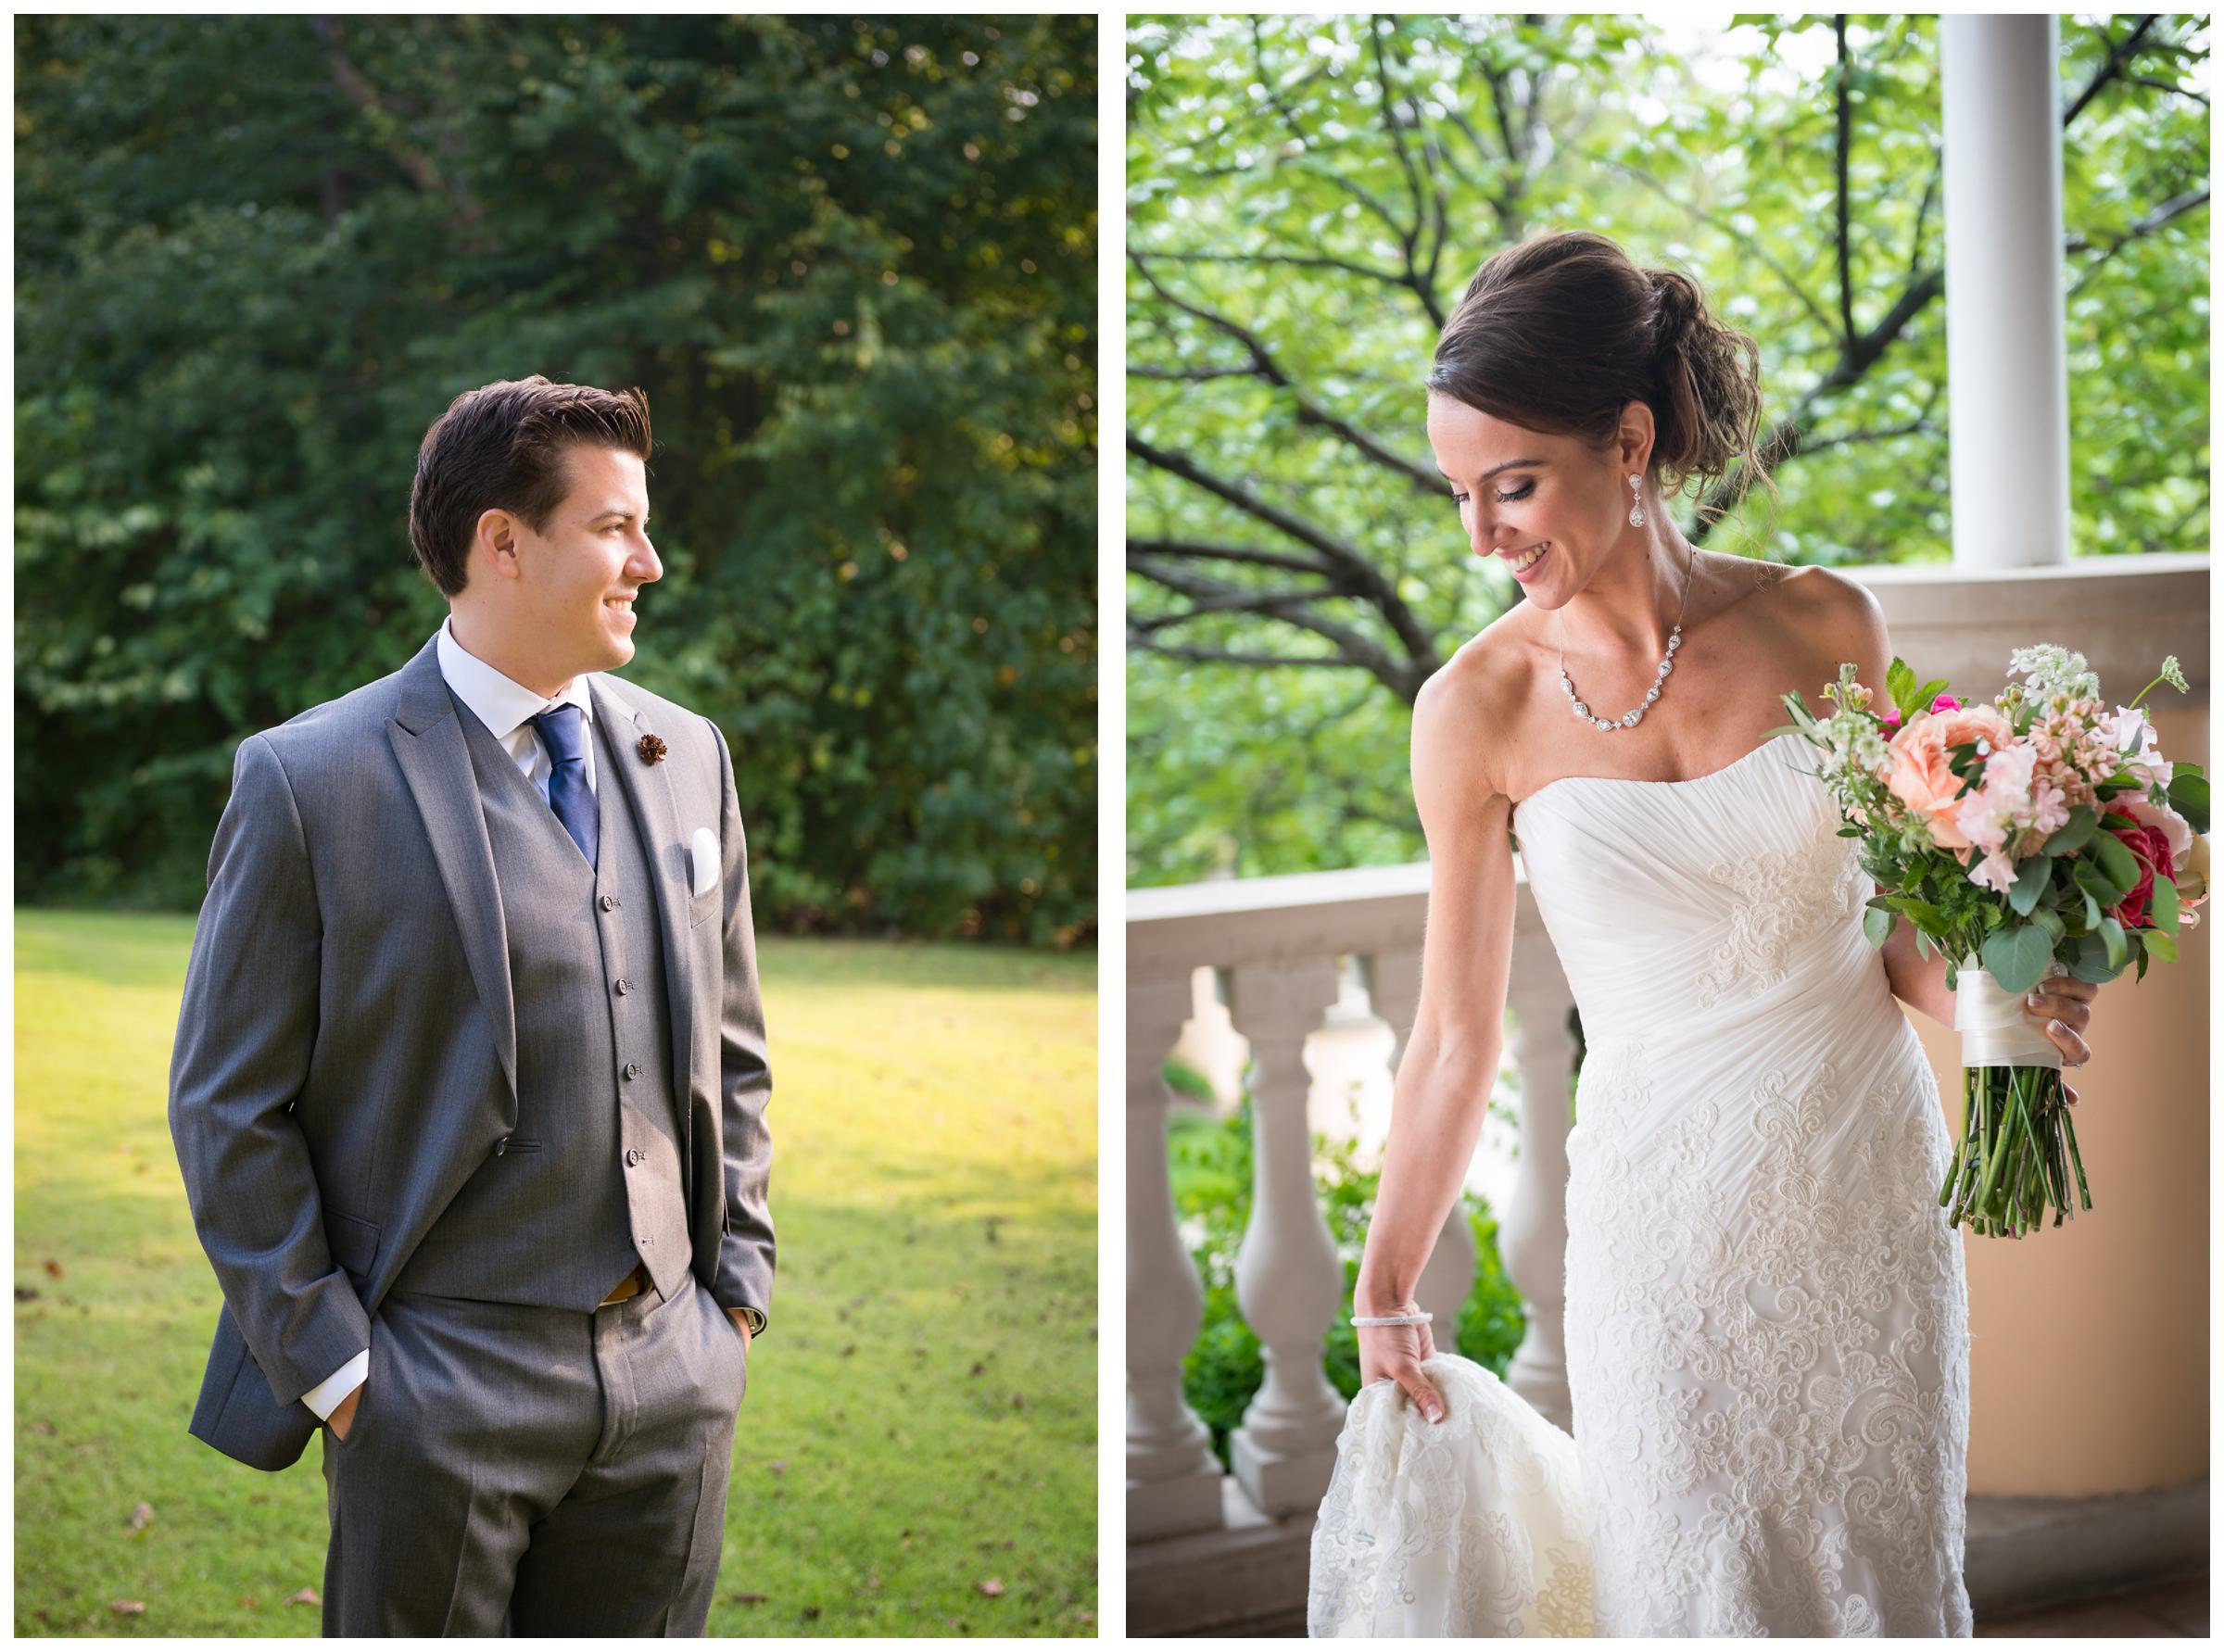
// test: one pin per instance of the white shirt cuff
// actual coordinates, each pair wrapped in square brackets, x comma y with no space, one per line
[325,1397]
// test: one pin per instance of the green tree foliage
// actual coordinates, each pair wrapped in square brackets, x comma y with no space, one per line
[1306,199]
[850,261]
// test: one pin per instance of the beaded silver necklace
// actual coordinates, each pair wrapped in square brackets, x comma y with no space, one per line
[1629,719]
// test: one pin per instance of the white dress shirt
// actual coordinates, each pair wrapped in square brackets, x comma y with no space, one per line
[507,709]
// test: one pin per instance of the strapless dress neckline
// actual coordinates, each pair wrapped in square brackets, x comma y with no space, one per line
[1735,763]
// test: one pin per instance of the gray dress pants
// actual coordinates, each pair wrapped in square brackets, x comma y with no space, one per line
[532,1471]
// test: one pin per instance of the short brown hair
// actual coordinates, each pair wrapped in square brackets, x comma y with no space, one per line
[501,446]
[1561,333]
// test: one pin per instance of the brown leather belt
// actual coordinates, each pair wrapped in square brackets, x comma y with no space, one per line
[633,1284]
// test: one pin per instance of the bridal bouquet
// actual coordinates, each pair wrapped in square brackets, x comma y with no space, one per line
[2037,835]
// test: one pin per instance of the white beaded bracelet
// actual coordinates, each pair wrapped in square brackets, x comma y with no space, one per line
[1414,1318]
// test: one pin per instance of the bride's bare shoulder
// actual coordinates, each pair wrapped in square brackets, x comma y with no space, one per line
[1833,608]
[1464,715]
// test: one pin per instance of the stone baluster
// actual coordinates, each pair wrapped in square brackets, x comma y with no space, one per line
[1393,990]
[1288,1278]
[1533,1239]
[1173,1479]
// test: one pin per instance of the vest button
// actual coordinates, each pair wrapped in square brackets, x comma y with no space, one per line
[502,1147]
[632,1071]
[633,1155]
[609,902]
[623,985]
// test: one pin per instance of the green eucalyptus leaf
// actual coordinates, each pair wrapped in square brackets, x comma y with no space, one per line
[2119,863]
[2076,832]
[2163,947]
[2189,795]
[2164,906]
[2112,938]
[2017,957]
[1876,924]
[2032,879]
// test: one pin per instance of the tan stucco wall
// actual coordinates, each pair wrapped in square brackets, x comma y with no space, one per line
[2088,1343]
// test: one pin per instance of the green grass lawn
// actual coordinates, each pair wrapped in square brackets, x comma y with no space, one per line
[921,1419]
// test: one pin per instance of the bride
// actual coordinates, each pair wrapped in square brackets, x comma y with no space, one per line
[1766,1312]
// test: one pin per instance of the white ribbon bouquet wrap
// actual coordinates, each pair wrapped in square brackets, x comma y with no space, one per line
[1995,1032]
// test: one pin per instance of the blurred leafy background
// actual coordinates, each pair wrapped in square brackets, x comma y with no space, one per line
[1307,198]
[850,261]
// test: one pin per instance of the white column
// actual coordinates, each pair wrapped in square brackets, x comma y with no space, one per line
[1533,1240]
[1173,1479]
[1288,1278]
[2007,371]
[1394,990]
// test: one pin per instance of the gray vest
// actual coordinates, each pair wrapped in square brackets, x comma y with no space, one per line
[591,1181]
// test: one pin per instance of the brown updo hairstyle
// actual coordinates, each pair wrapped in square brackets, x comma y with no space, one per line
[1561,333]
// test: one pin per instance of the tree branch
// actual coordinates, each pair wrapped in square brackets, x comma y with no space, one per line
[1229,657]
[2118,57]
[1845,153]
[1930,199]
[1715,220]
[2177,206]
[1296,260]
[1229,553]
[1309,411]
[385,128]
[1398,141]
[1190,376]
[1296,128]
[1367,581]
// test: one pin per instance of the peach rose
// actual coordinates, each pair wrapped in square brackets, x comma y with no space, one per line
[1922,775]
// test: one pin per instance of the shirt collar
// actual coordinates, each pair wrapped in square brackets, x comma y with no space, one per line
[499,703]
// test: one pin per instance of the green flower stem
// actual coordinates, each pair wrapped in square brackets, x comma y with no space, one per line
[2017,1154]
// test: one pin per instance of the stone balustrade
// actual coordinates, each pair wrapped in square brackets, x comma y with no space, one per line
[1274,946]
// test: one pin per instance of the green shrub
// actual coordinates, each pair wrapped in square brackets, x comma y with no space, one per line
[1211,1169]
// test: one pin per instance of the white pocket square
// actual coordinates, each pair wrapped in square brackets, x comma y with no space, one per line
[702,859]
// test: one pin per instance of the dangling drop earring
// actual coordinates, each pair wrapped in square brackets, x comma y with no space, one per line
[1637,505]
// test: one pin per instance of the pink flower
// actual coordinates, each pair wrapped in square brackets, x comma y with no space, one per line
[1995,872]
[1989,814]
[2137,750]
[1921,774]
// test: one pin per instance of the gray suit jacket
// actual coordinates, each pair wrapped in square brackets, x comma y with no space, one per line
[346,1050]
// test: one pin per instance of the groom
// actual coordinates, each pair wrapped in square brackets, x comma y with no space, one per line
[470,1078]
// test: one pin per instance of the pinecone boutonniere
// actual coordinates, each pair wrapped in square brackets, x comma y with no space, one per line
[651,749]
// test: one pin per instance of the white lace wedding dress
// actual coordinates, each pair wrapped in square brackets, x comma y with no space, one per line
[1767,1323]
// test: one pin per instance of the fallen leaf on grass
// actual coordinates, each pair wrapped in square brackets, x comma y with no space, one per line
[125,1608]
[54,1268]
[306,1597]
[749,1599]
[25,1293]
[41,1426]
[992,1586]
[143,1514]
[249,1601]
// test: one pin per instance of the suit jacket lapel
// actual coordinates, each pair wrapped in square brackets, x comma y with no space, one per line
[428,743]
[648,787]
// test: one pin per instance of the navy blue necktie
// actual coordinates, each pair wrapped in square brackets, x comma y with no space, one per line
[562,731]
